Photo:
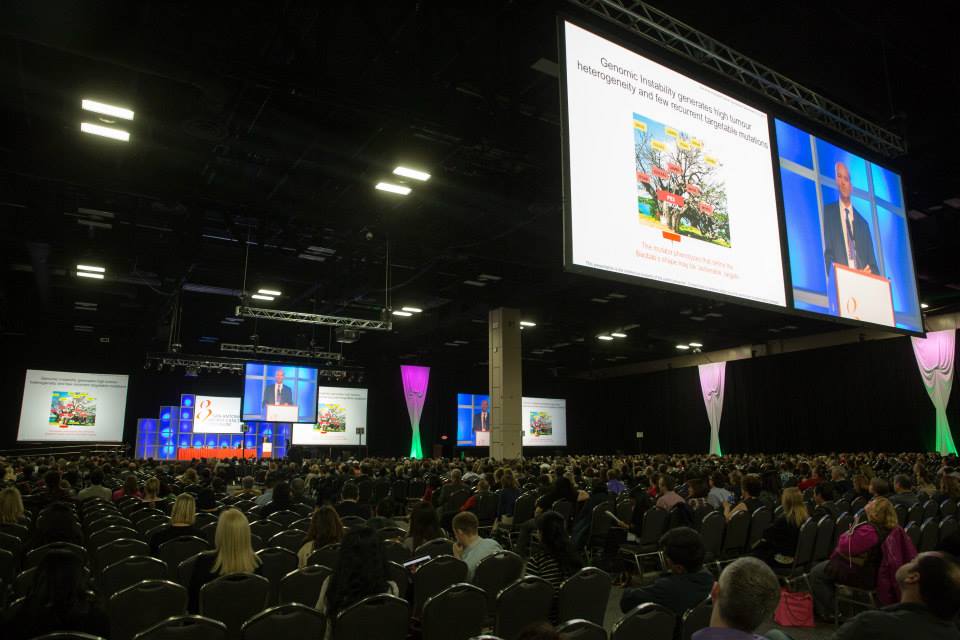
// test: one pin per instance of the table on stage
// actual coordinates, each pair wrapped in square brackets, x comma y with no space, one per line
[189,453]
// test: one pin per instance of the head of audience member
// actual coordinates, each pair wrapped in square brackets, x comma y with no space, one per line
[456,476]
[751,486]
[96,477]
[207,501]
[246,484]
[233,544]
[483,486]
[879,487]
[881,512]
[189,476]
[933,579]
[465,528]
[11,506]
[794,509]
[281,494]
[665,484]
[424,524]
[325,527]
[717,480]
[360,571]
[861,484]
[902,483]
[350,492]
[151,488]
[386,508]
[297,488]
[508,480]
[552,532]
[683,549]
[745,596]
[838,473]
[950,486]
[184,511]
[823,492]
[51,479]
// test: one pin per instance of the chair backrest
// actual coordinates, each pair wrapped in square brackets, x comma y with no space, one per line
[129,571]
[291,539]
[915,514]
[579,629]
[456,613]
[106,519]
[711,532]
[435,576]
[525,602]
[948,526]
[175,551]
[353,522]
[303,585]
[625,509]
[185,568]
[326,555]
[695,619]
[735,536]
[495,572]
[487,508]
[806,542]
[913,532]
[23,581]
[109,534]
[383,617]
[203,519]
[284,518]
[858,503]
[291,620]
[929,535]
[266,529]
[524,507]
[584,595]
[151,522]
[276,562]
[600,523]
[142,605]
[434,548]
[843,506]
[142,514]
[395,551]
[654,525]
[902,512]
[930,510]
[68,635]
[455,500]
[649,621]
[400,576]
[10,543]
[234,598]
[824,544]
[844,520]
[120,549]
[564,508]
[185,628]
[759,521]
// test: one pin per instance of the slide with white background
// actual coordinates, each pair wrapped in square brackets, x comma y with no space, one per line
[670,180]
[340,412]
[216,414]
[66,406]
[544,422]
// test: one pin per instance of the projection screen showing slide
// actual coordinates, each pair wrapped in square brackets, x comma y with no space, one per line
[340,412]
[217,415]
[65,406]
[669,180]
[847,234]
[544,421]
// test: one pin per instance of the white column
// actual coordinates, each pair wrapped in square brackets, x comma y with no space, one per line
[506,385]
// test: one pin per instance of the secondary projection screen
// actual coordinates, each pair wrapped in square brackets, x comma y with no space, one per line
[215,414]
[279,393]
[340,412]
[847,234]
[669,180]
[65,406]
[544,421]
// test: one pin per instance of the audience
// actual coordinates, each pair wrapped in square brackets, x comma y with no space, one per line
[424,526]
[130,489]
[823,502]
[718,495]
[349,505]
[744,597]
[668,497]
[96,488]
[750,488]
[469,546]
[779,541]
[903,491]
[182,523]
[685,584]
[11,507]
[325,528]
[281,500]
[233,553]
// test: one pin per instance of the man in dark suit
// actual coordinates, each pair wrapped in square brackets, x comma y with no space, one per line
[481,421]
[846,234]
[278,393]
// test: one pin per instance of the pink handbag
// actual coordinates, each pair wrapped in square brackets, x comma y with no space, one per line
[795,609]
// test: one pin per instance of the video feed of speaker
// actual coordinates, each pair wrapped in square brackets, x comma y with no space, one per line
[279,393]
[66,406]
[543,420]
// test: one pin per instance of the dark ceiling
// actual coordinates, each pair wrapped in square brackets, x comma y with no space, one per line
[261,128]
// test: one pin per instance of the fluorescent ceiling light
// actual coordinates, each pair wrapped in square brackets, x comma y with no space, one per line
[402,314]
[450,344]
[87,274]
[616,296]
[107,109]
[475,283]
[599,300]
[924,305]
[85,267]
[231,324]
[618,334]
[487,276]
[258,296]
[682,347]
[412,309]
[607,338]
[695,345]
[393,188]
[413,174]
[527,323]
[269,292]
[106,132]
[82,327]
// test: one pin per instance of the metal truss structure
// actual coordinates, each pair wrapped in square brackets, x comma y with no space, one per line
[679,38]
[260,349]
[173,360]
[313,318]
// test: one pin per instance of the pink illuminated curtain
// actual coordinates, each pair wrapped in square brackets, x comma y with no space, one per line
[711,384]
[935,358]
[415,381]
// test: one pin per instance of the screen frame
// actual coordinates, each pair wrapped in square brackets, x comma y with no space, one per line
[243,395]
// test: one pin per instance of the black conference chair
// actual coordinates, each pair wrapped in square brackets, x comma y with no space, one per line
[585,594]
[649,621]
[185,628]
[275,563]
[175,551]
[120,549]
[383,617]
[291,620]
[109,534]
[400,576]
[233,599]
[303,585]
[434,548]
[711,531]
[435,576]
[525,602]
[68,635]
[395,551]
[824,544]
[129,571]
[456,613]
[142,605]
[35,556]
[759,521]
[494,573]
[695,619]
[291,539]
[326,555]
[581,630]
[284,518]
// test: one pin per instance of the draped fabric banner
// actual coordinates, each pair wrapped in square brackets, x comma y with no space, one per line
[711,384]
[935,355]
[415,381]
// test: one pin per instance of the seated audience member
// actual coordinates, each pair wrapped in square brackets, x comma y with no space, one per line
[949,489]
[298,493]
[879,488]
[838,476]
[325,528]
[56,524]
[483,489]
[281,500]
[750,488]
[57,600]
[207,501]
[551,555]
[454,485]
[247,490]
[233,553]
[424,526]
[745,596]
[509,492]
[182,519]
[861,489]
[816,477]
[264,498]
[52,491]
[668,497]
[361,571]
[903,492]
[923,482]
[383,514]
[561,489]
[928,607]
[779,541]
[685,584]
[151,493]
[11,507]
[96,488]
[348,505]
[614,485]
[130,489]
[470,547]
[718,494]
[823,501]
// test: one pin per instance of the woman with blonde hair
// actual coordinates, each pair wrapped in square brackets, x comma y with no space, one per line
[779,541]
[151,492]
[11,506]
[325,528]
[233,553]
[181,523]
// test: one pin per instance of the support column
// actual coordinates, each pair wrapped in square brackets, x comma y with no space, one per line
[506,384]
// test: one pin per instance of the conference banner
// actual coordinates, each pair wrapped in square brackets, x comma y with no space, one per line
[415,381]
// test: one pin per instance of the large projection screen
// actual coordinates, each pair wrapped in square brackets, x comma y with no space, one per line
[847,233]
[668,180]
[214,414]
[341,411]
[69,407]
[544,421]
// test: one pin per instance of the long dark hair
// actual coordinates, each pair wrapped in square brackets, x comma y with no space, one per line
[424,524]
[556,543]
[325,527]
[59,589]
[361,571]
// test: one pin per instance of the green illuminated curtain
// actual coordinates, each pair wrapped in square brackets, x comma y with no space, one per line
[935,355]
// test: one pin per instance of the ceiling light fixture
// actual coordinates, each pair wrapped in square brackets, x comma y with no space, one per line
[695,345]
[412,309]
[413,174]
[258,296]
[527,323]
[106,132]
[924,305]
[475,283]
[402,314]
[269,292]
[393,188]
[107,109]
[86,267]
[683,347]
[618,334]
[605,338]
[87,274]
